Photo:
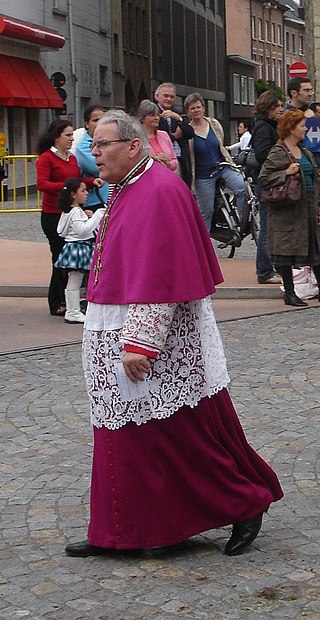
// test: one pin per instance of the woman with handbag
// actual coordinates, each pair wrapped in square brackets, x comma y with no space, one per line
[292,203]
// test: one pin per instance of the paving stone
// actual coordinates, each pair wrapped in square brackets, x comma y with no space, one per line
[274,364]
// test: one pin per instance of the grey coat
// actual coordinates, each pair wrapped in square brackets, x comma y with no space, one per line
[288,224]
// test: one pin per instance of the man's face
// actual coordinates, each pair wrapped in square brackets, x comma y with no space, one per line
[317,112]
[166,97]
[304,95]
[90,125]
[112,158]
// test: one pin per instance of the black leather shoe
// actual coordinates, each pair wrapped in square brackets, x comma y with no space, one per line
[291,299]
[243,534]
[84,549]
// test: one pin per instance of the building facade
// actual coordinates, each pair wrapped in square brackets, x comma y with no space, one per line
[310,12]
[116,53]
[189,49]
[84,60]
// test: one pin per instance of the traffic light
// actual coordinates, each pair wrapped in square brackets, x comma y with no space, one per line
[58,80]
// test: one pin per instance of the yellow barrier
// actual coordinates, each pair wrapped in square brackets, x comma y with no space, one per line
[19,184]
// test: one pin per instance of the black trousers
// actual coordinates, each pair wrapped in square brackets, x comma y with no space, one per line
[58,282]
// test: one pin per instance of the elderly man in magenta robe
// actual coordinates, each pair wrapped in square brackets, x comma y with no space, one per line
[170,457]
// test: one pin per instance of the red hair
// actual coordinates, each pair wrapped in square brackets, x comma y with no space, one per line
[288,121]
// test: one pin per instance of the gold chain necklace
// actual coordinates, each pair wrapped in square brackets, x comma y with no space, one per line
[120,186]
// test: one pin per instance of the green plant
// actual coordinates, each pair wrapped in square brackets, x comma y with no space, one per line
[262,85]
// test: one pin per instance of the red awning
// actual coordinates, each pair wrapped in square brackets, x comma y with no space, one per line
[17,29]
[24,84]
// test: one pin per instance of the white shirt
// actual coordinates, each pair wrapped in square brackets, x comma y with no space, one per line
[243,142]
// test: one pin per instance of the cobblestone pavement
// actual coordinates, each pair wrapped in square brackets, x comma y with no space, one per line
[45,473]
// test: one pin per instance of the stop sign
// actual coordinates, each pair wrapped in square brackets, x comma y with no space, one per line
[298,69]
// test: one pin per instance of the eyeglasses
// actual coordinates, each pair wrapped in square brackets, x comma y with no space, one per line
[307,90]
[102,144]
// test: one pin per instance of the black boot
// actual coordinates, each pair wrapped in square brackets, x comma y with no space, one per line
[243,534]
[290,298]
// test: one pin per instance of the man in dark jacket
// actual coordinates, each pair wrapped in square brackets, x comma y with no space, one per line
[300,93]
[177,126]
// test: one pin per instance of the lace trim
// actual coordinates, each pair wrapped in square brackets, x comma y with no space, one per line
[190,366]
[147,325]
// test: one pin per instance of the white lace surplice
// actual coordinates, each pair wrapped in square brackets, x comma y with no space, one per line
[190,364]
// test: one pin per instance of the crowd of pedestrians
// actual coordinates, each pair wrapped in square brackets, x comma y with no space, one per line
[189,144]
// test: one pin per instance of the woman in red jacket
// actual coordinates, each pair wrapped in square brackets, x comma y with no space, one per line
[55,165]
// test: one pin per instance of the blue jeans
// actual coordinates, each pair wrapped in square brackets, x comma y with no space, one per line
[205,192]
[264,266]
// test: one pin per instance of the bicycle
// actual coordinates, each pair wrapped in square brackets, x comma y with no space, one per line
[226,226]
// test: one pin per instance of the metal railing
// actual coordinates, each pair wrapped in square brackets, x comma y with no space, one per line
[18,189]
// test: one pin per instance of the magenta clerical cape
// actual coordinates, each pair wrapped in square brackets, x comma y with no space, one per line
[157,249]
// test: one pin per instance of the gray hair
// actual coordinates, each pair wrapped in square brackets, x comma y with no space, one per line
[165,85]
[128,127]
[192,98]
[147,108]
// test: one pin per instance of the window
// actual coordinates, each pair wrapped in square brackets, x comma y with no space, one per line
[260,29]
[279,34]
[253,27]
[266,30]
[138,24]
[131,26]
[279,73]
[273,32]
[273,70]
[267,68]
[244,90]
[251,91]
[60,7]
[287,42]
[144,34]
[301,44]
[103,71]
[103,19]
[236,88]
[116,52]
[293,39]
[260,67]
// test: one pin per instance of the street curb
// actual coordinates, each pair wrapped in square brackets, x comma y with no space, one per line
[223,292]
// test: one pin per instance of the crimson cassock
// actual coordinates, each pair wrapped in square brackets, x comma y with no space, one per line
[175,462]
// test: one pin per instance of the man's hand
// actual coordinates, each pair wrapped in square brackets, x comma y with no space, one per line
[171,114]
[98,182]
[308,113]
[135,366]
[177,134]
[163,158]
